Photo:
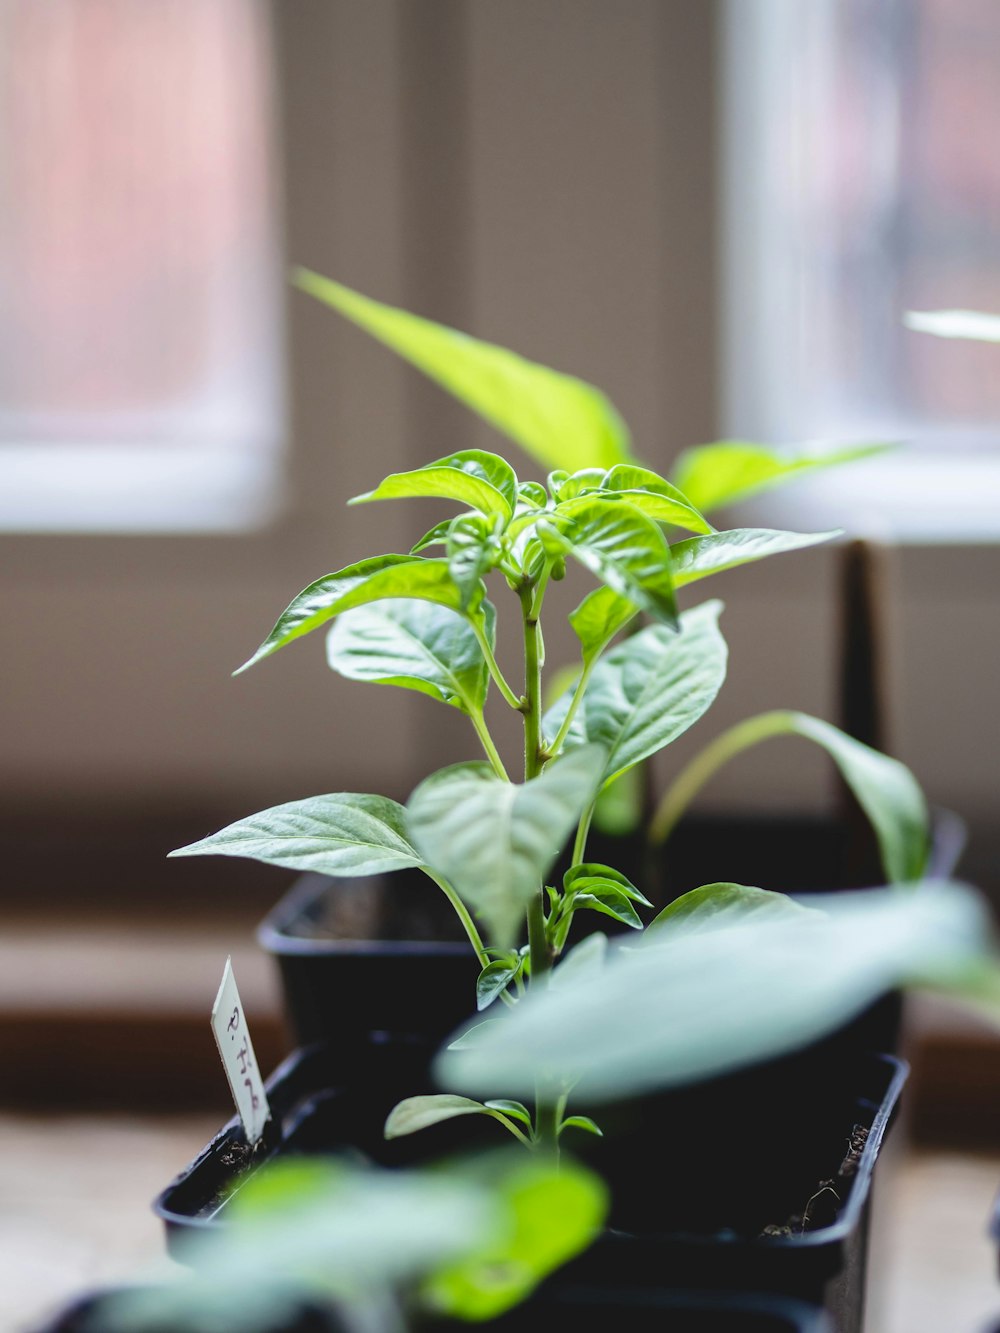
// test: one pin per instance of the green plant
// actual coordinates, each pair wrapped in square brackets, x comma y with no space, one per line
[726,974]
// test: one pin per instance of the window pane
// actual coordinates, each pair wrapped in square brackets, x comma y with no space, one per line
[138,255]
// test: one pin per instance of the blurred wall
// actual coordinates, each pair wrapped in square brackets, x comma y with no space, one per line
[543,175]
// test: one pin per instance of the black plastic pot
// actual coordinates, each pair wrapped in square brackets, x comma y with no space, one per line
[697,1175]
[365,954]
[92,1314]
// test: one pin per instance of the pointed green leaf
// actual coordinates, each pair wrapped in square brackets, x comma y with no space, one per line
[885,789]
[473,549]
[975,324]
[582,482]
[697,557]
[582,1122]
[532,494]
[603,896]
[718,474]
[767,985]
[473,477]
[416,1113]
[723,904]
[495,841]
[656,497]
[417,645]
[515,1110]
[357,585]
[598,618]
[345,833]
[648,690]
[494,980]
[622,547]
[556,419]
[576,877]
[438,534]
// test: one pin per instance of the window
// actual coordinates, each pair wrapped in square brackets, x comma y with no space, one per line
[863,181]
[140,349]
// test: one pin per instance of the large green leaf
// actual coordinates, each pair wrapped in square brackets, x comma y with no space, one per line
[647,690]
[473,477]
[692,1004]
[975,324]
[697,557]
[357,585]
[621,546]
[886,789]
[655,496]
[712,475]
[495,841]
[344,833]
[418,645]
[722,904]
[560,421]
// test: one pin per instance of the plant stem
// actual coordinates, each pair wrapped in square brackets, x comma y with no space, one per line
[582,829]
[486,740]
[531,704]
[547,1121]
[491,663]
[691,779]
[574,704]
[463,915]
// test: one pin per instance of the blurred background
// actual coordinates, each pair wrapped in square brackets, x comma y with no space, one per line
[717,212]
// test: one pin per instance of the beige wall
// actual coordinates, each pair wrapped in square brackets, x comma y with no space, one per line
[542,174]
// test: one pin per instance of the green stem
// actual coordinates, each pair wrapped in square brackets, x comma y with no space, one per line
[531,705]
[547,1119]
[691,779]
[491,662]
[509,1124]
[486,740]
[582,829]
[574,704]
[463,915]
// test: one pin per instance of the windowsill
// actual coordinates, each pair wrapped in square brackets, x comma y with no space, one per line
[917,499]
[138,490]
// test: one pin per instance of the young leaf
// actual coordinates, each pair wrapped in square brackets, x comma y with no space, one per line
[345,833]
[513,1110]
[368,581]
[621,546]
[767,985]
[582,1122]
[648,690]
[438,534]
[578,878]
[718,905]
[495,841]
[473,477]
[713,475]
[555,1211]
[697,557]
[603,896]
[656,497]
[974,324]
[472,549]
[417,645]
[556,419]
[598,618]
[416,1113]
[494,980]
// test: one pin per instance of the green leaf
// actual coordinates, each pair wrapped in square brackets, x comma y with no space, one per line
[584,959]
[648,690]
[473,549]
[766,985]
[656,497]
[555,1211]
[885,789]
[697,557]
[345,833]
[417,645]
[514,1110]
[622,547]
[494,980]
[598,618]
[368,581]
[495,841]
[558,420]
[473,477]
[582,1122]
[579,877]
[718,474]
[603,896]
[973,324]
[416,1113]
[717,905]
[532,494]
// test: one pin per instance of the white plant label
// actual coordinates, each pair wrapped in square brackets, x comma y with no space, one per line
[232,1036]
